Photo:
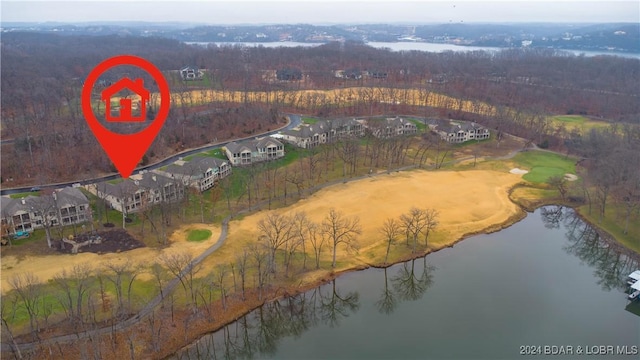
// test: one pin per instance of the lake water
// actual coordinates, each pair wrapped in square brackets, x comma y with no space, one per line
[408,46]
[545,285]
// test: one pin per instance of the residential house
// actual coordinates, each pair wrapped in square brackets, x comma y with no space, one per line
[392,127]
[352,74]
[289,74]
[323,132]
[459,132]
[252,151]
[139,191]
[66,206]
[200,172]
[376,74]
[191,73]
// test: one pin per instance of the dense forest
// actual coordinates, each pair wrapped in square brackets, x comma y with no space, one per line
[42,76]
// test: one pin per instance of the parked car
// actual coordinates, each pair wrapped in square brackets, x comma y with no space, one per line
[20,235]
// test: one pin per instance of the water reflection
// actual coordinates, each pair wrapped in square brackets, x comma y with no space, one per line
[406,285]
[388,300]
[260,331]
[611,266]
[335,307]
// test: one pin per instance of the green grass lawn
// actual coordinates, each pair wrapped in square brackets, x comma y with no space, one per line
[542,165]
[24,194]
[419,124]
[199,235]
[215,153]
[571,119]
[309,120]
[578,122]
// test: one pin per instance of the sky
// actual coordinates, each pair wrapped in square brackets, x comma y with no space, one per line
[322,12]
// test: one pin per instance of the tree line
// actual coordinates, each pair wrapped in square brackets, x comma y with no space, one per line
[43,76]
[610,158]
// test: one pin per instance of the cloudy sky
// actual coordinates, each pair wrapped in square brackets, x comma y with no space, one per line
[322,12]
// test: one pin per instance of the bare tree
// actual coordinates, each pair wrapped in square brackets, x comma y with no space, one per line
[413,223]
[317,241]
[276,232]
[180,265]
[75,284]
[5,327]
[559,183]
[301,230]
[627,192]
[431,222]
[242,264]
[159,276]
[28,291]
[391,229]
[260,258]
[45,208]
[221,272]
[341,230]
[121,275]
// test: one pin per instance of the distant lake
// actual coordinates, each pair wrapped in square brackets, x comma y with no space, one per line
[407,46]
[547,281]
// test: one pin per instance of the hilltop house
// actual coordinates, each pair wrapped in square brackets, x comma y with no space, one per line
[392,127]
[191,73]
[200,172]
[459,132]
[139,191]
[323,132]
[62,207]
[252,151]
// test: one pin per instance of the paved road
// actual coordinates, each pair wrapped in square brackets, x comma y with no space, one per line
[294,120]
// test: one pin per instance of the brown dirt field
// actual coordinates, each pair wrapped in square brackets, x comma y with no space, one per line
[47,266]
[468,202]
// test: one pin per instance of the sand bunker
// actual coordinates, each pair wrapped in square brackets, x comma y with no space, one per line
[570,177]
[518,171]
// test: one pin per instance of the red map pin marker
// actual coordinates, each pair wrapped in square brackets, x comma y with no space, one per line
[125,150]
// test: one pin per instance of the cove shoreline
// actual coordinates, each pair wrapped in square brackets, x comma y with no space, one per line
[182,337]
[333,275]
[523,212]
